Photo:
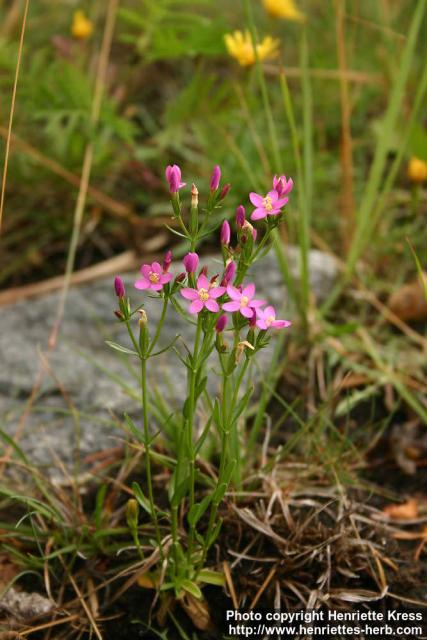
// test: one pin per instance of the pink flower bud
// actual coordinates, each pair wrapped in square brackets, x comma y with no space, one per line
[119,287]
[229,273]
[215,178]
[191,262]
[167,261]
[226,188]
[225,233]
[173,176]
[282,185]
[221,323]
[240,215]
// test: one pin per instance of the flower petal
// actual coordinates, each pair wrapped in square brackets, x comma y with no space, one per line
[234,293]
[247,312]
[269,311]
[281,324]
[145,270]
[196,306]
[256,199]
[189,294]
[259,214]
[274,196]
[165,277]
[261,324]
[212,305]
[249,290]
[281,203]
[156,268]
[157,286]
[142,284]
[257,303]
[231,306]
[203,282]
[216,292]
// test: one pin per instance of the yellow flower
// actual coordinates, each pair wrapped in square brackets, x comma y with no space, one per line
[417,170]
[81,27]
[239,45]
[283,9]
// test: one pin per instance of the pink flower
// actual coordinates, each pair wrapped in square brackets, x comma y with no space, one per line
[283,186]
[119,287]
[153,277]
[221,323]
[191,262]
[204,297]
[269,205]
[173,176]
[240,215]
[229,273]
[242,300]
[167,261]
[266,318]
[225,232]
[215,178]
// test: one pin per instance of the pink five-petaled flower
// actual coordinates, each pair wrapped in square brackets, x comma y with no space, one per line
[173,176]
[283,186]
[204,297]
[269,205]
[242,300]
[153,277]
[266,318]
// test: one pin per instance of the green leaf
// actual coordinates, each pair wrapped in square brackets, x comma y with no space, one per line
[243,403]
[142,500]
[118,347]
[192,588]
[211,577]
[198,509]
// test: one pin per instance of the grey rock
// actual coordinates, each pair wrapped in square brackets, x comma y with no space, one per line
[87,416]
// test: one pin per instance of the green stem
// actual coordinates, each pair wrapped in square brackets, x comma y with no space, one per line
[189,427]
[147,454]
[159,326]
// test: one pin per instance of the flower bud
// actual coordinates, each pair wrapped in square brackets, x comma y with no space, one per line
[221,323]
[191,262]
[225,233]
[180,278]
[252,320]
[240,215]
[229,273]
[119,287]
[173,176]
[203,271]
[417,170]
[167,261]
[224,191]
[215,178]
[119,314]
[132,513]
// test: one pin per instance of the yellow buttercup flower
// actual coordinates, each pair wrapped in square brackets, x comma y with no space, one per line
[283,9]
[239,45]
[417,170]
[81,27]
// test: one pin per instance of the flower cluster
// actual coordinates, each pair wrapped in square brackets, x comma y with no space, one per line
[217,294]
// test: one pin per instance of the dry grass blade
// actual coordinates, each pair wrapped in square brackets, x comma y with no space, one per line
[12,111]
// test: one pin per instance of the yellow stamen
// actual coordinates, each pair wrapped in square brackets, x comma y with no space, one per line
[244,301]
[203,294]
[153,277]
[267,203]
